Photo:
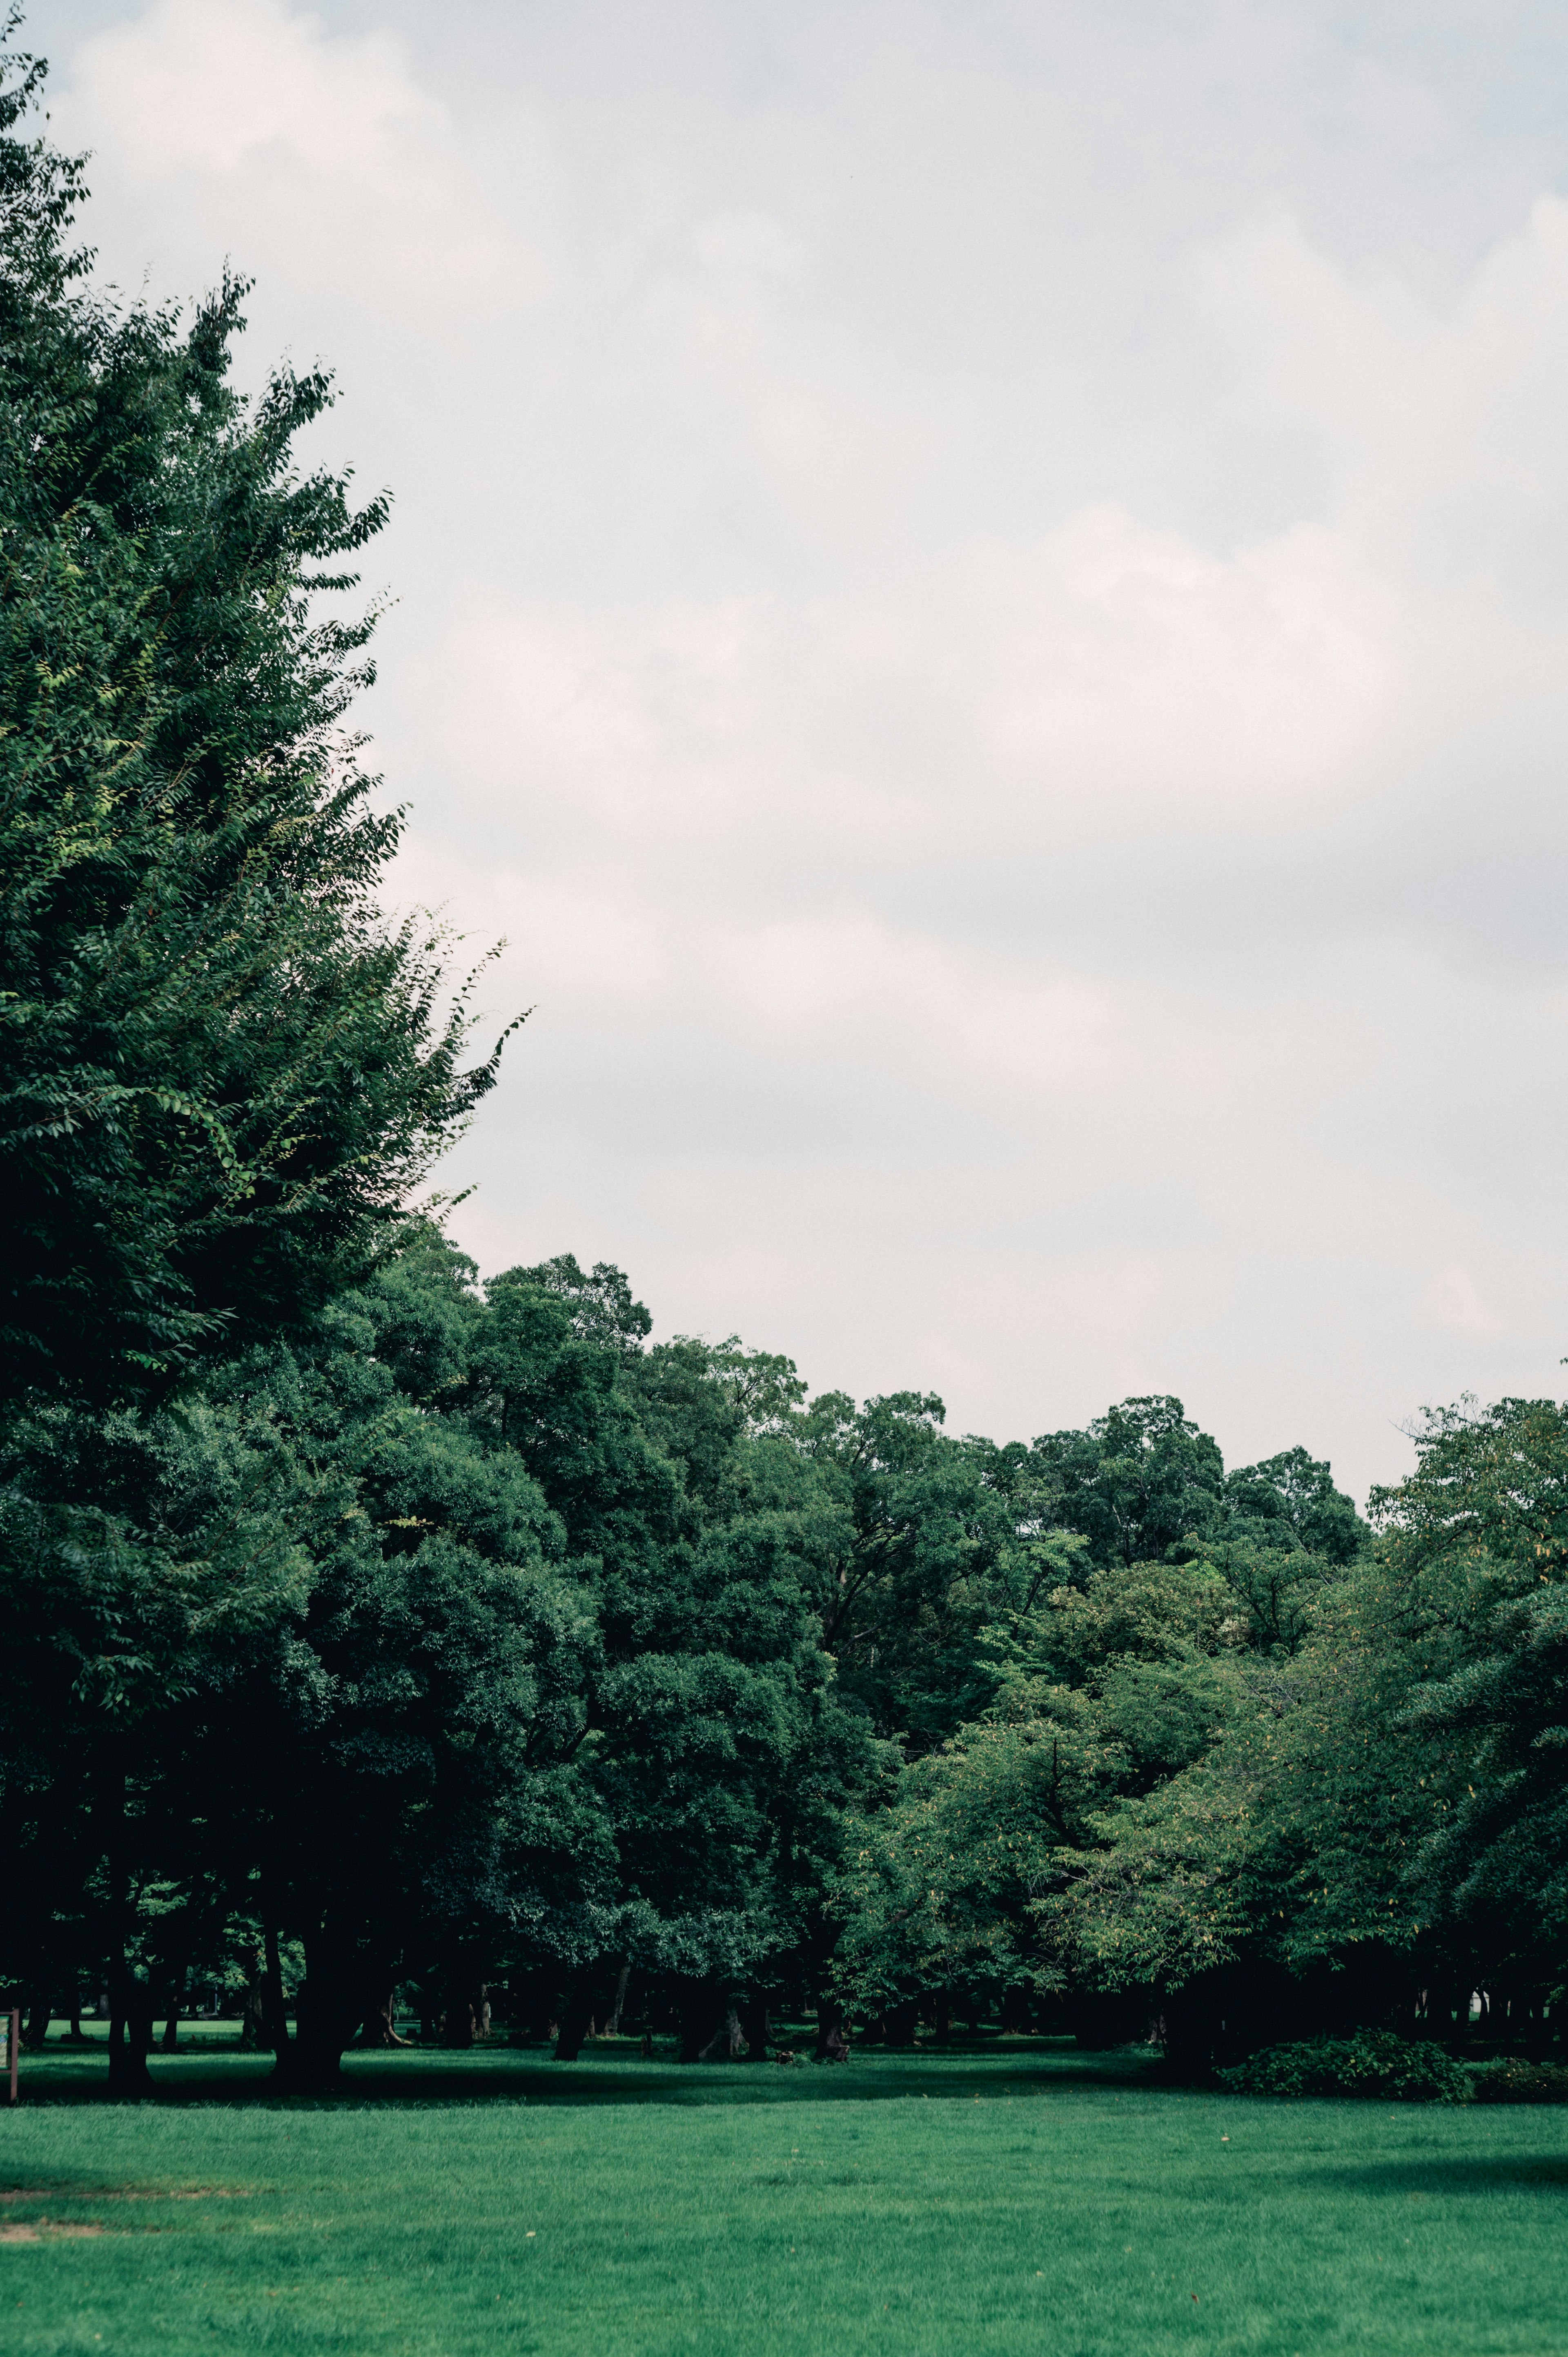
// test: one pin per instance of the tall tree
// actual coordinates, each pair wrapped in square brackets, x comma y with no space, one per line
[221,1070]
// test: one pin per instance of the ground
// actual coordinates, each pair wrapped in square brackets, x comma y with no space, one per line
[1025,2199]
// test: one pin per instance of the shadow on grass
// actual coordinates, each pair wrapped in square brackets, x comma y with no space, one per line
[1474,2173]
[375,2081]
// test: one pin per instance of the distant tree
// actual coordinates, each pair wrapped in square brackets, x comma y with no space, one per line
[1137,1481]
[1476,1599]
[719,1744]
[941,1537]
[1294,1499]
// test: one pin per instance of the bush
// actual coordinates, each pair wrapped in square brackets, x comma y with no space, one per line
[1521,2083]
[1374,2062]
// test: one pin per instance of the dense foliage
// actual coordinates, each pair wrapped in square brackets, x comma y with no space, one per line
[220,1071]
[1375,2064]
[367,1628]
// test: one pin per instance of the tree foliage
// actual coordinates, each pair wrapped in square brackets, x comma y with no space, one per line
[222,1069]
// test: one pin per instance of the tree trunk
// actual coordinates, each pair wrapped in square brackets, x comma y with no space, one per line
[612,2023]
[139,2028]
[754,2024]
[458,2021]
[252,2011]
[574,2017]
[274,2020]
[833,2046]
[171,2019]
[727,2043]
[130,2034]
[329,2009]
[379,2027]
[37,2030]
[128,2074]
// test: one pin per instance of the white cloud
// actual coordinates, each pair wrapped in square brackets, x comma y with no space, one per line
[245,126]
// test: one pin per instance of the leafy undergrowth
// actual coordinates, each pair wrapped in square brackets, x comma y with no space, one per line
[1521,2083]
[1020,2201]
[1375,2064]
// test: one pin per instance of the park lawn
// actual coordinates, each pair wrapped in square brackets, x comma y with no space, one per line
[1025,2200]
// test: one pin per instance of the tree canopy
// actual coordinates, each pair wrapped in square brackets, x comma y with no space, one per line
[222,1071]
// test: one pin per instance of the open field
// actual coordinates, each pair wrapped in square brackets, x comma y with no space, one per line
[1024,2199]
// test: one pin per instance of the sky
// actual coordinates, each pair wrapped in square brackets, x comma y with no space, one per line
[981,594]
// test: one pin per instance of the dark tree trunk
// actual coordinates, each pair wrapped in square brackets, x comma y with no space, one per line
[139,2026]
[37,2030]
[252,2011]
[612,2019]
[727,2043]
[128,2074]
[697,2005]
[464,2006]
[833,2046]
[130,2035]
[575,2016]
[754,2025]
[329,2009]
[274,2020]
[379,2027]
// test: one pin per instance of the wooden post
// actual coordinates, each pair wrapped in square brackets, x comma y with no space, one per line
[13,2040]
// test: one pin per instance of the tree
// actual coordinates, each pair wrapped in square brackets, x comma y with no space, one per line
[718,1743]
[222,1071]
[1292,1499]
[1102,1695]
[1476,1586]
[939,1537]
[1140,1478]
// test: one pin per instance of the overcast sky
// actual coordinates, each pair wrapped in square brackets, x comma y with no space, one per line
[983,599]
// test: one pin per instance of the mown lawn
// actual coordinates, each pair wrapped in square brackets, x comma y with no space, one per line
[1029,2200]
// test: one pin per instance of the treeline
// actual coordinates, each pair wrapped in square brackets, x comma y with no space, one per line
[413,1635]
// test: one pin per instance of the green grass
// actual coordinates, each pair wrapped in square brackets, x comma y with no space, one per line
[1026,2201]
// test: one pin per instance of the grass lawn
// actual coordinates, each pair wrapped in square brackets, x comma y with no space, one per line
[1031,2199]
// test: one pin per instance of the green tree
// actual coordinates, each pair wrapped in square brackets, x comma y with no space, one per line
[1102,1695]
[1476,1587]
[1292,1501]
[222,1071]
[718,1743]
[939,1537]
[1139,1479]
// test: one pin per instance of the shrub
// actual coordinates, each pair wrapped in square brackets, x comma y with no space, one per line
[1374,2062]
[1521,2083]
